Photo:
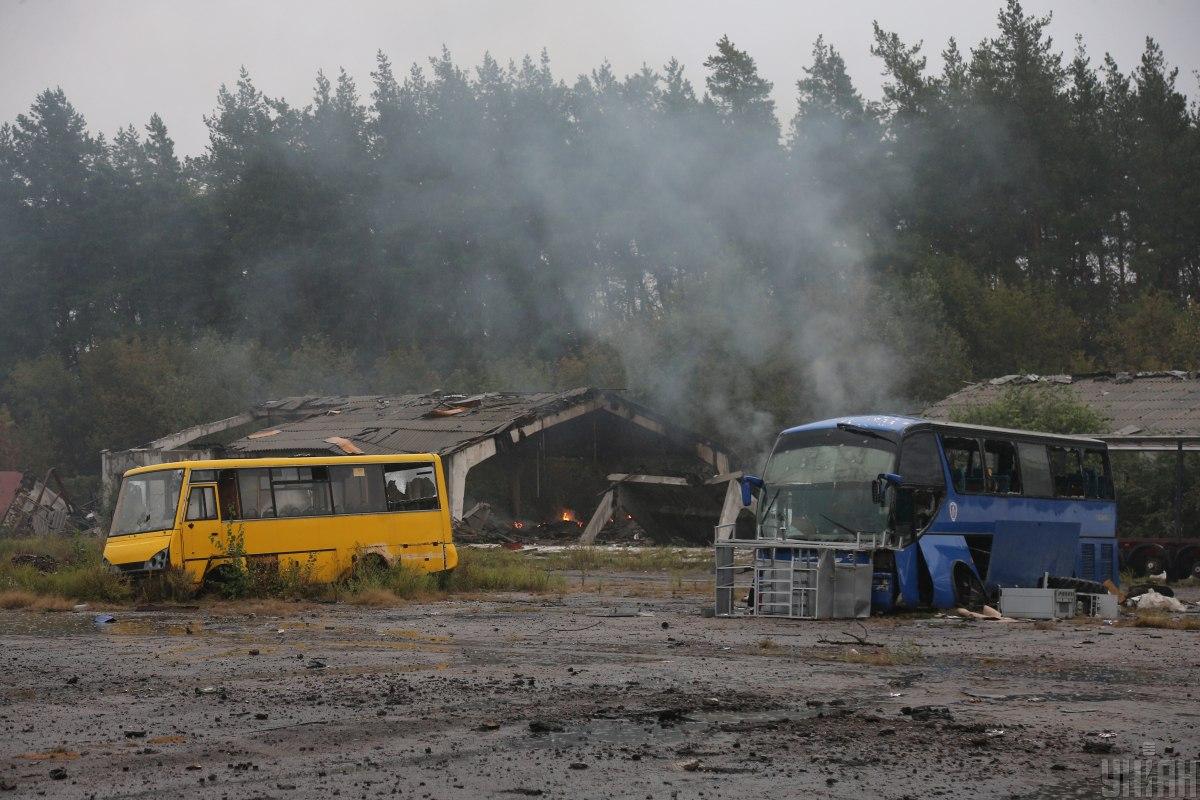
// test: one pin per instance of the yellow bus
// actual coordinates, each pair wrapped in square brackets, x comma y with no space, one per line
[324,514]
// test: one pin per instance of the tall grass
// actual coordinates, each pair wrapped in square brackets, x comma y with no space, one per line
[500,571]
[80,576]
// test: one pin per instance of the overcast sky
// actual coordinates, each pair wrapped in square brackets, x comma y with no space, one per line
[121,60]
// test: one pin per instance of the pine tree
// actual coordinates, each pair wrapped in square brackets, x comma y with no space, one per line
[741,95]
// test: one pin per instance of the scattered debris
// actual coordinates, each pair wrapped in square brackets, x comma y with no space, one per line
[42,562]
[926,713]
[1152,599]
[987,613]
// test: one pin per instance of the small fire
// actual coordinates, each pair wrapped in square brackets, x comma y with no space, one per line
[518,524]
[567,515]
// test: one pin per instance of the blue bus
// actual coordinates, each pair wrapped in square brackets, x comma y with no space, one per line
[955,512]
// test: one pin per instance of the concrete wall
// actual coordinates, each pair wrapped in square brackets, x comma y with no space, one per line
[113,465]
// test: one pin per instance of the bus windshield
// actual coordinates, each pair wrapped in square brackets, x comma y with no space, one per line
[818,486]
[147,502]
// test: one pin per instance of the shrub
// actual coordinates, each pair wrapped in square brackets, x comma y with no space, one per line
[1048,408]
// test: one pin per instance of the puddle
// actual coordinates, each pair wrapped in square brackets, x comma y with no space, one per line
[82,624]
[150,627]
[46,624]
[1041,697]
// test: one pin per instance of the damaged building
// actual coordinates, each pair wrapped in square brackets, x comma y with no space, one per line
[39,507]
[582,456]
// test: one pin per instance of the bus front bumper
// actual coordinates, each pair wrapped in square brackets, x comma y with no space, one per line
[139,553]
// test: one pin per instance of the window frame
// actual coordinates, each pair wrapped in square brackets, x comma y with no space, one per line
[290,483]
[1016,454]
[950,469]
[938,454]
[211,488]
[367,467]
[403,466]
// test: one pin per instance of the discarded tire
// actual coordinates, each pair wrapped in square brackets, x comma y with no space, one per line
[1140,589]
[1077,584]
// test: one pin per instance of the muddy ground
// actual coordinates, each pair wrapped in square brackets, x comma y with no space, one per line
[619,690]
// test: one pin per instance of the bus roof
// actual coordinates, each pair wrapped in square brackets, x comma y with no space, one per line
[305,461]
[895,426]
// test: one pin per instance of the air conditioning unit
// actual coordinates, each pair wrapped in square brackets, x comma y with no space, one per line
[1037,603]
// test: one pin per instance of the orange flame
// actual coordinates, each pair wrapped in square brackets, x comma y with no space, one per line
[518,524]
[567,515]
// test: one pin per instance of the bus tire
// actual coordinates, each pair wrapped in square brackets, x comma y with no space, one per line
[218,579]
[1187,565]
[969,592]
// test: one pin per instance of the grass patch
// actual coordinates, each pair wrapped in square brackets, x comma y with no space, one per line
[1160,619]
[501,571]
[641,559]
[376,584]
[477,571]
[21,599]
[906,653]
[374,597]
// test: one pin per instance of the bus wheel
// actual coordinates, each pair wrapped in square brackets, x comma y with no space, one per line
[224,580]
[969,592]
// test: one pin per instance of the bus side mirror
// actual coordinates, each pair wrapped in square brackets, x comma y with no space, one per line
[880,485]
[749,483]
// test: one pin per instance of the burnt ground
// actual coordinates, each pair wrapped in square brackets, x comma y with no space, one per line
[591,694]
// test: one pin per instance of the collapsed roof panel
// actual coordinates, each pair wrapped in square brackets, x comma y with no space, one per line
[435,422]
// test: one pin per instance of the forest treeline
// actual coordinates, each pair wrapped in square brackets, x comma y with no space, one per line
[498,227]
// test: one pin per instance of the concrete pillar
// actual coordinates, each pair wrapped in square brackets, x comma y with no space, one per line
[457,465]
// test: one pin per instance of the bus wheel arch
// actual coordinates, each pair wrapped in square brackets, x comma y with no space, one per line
[371,560]
[969,591]
[219,578]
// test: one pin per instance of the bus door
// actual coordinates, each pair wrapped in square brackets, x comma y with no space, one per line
[202,534]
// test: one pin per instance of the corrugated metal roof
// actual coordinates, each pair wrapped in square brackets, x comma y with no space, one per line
[406,423]
[1133,403]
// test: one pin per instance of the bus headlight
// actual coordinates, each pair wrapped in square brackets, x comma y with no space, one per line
[159,560]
